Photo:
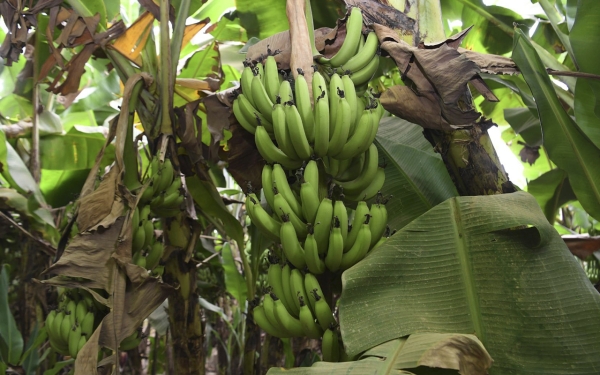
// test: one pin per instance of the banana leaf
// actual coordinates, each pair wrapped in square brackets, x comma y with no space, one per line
[415,175]
[488,265]
[422,353]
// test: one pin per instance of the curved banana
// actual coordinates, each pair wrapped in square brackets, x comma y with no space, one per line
[350,95]
[246,82]
[274,279]
[312,284]
[261,218]
[322,311]
[336,87]
[148,193]
[307,320]
[80,311]
[71,310]
[269,305]
[286,284]
[281,183]
[261,98]
[74,337]
[361,59]
[360,247]
[322,225]
[341,127]
[333,259]
[371,190]
[253,115]
[319,86]
[311,253]
[285,92]
[271,78]
[366,175]
[260,318]
[87,324]
[283,209]
[356,143]
[282,133]
[377,223]
[330,346]
[292,249]
[154,255]
[365,74]
[360,215]
[137,242]
[270,152]
[164,180]
[82,342]
[241,118]
[332,166]
[297,133]
[297,287]
[321,126]
[350,46]
[311,174]
[267,184]
[302,96]
[340,211]
[310,201]
[289,322]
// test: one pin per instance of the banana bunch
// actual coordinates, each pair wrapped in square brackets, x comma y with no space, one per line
[72,323]
[317,232]
[163,194]
[146,250]
[295,306]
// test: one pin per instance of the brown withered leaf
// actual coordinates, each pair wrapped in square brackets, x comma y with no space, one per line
[217,117]
[88,256]
[492,64]
[189,130]
[403,102]
[131,43]
[191,30]
[244,161]
[529,154]
[376,12]
[97,205]
[582,246]
[279,42]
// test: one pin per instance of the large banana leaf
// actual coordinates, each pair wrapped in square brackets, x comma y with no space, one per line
[567,145]
[488,265]
[415,175]
[421,353]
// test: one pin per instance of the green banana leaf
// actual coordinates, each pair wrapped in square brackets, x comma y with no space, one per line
[551,190]
[234,281]
[9,332]
[567,145]
[415,175]
[422,353]
[488,265]
[586,103]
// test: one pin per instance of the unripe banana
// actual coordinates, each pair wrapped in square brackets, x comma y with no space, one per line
[322,225]
[261,98]
[291,324]
[282,208]
[269,305]
[74,337]
[365,74]
[148,233]
[286,280]
[179,233]
[271,78]
[71,311]
[154,255]
[267,183]
[148,193]
[350,45]
[271,153]
[307,320]
[54,329]
[281,183]
[50,320]
[285,92]
[304,107]
[335,250]
[274,279]
[261,218]
[360,215]
[377,223]
[282,133]
[360,247]
[291,247]
[339,211]
[361,59]
[352,99]
[165,177]
[130,342]
[367,175]
[261,320]
[356,143]
[322,311]
[311,285]
[372,189]
[80,311]
[341,127]
[311,253]
[336,86]
[139,259]
[253,115]
[297,132]
[322,124]
[309,195]
[241,118]
[297,287]
[311,174]
[246,82]
[319,86]
[330,346]
[82,341]
[87,324]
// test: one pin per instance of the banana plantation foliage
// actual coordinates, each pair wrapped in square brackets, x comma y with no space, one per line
[298,187]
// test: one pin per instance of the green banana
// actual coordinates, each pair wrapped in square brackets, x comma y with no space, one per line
[154,255]
[365,74]
[322,225]
[260,318]
[267,183]
[319,86]
[372,189]
[311,253]
[165,178]
[282,208]
[339,211]
[356,143]
[286,280]
[139,259]
[322,311]
[341,127]
[302,96]
[292,249]
[274,279]
[285,92]
[241,118]
[321,119]
[148,233]
[253,115]
[307,321]
[259,71]
[270,152]
[309,195]
[87,324]
[361,59]
[74,337]
[261,98]
[80,311]
[332,166]
[271,78]
[179,233]
[290,323]
[366,176]
[281,183]
[297,286]
[70,311]
[148,193]
[269,305]
[82,341]
[350,45]
[55,329]
[297,133]
[336,86]
[330,346]
[350,94]
[311,284]
[335,250]
[261,218]
[282,133]
[311,174]
[246,83]
[130,342]
[362,210]
[377,223]
[360,247]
